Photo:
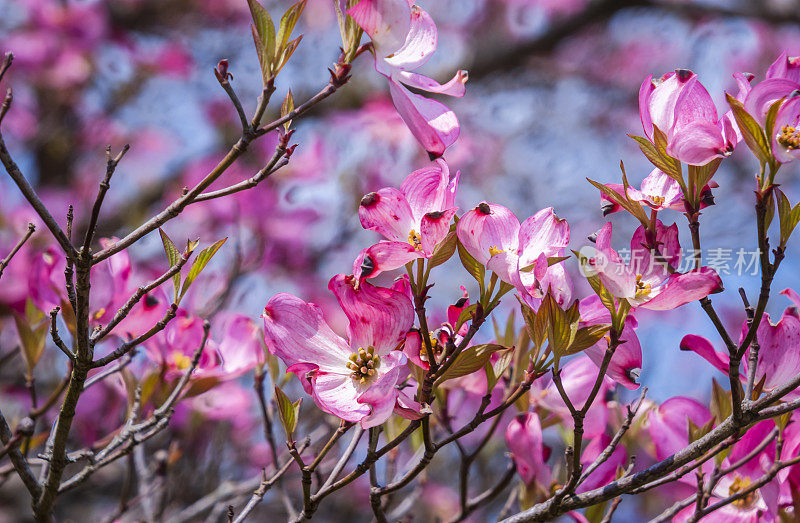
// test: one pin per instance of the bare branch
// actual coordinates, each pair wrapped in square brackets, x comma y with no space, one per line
[56,338]
[5,261]
[111,166]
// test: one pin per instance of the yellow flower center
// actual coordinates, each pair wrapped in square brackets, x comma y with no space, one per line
[494,250]
[99,313]
[435,345]
[789,137]
[657,200]
[642,289]
[363,364]
[738,485]
[415,239]
[180,360]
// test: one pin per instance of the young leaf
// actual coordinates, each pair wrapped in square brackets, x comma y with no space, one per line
[585,337]
[289,412]
[721,406]
[444,251]
[173,257]
[494,371]
[288,21]
[669,165]
[473,267]
[466,315]
[200,263]
[263,37]
[752,133]
[32,340]
[287,107]
[470,360]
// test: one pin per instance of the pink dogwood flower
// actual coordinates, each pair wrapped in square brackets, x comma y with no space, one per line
[782,79]
[646,281]
[413,219]
[786,141]
[681,108]
[658,192]
[404,37]
[494,236]
[174,347]
[779,349]
[524,440]
[355,378]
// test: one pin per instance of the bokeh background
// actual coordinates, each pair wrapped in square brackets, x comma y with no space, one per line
[551,96]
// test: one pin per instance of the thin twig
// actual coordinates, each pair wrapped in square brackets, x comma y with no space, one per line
[5,261]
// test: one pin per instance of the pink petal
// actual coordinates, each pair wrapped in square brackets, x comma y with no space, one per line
[379,317]
[387,22]
[785,67]
[425,189]
[338,394]
[668,425]
[792,295]
[383,256]
[388,213]
[694,105]
[626,364]
[412,348]
[382,393]
[788,115]
[406,406]
[524,440]
[779,355]
[420,42]
[664,97]
[698,143]
[296,332]
[486,226]
[684,288]
[506,266]
[455,87]
[542,233]
[433,124]
[763,95]
[606,472]
[705,350]
[645,91]
[434,229]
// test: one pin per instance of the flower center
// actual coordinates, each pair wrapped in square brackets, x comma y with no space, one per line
[435,345]
[181,360]
[363,364]
[642,289]
[657,200]
[415,239]
[738,485]
[789,137]
[494,250]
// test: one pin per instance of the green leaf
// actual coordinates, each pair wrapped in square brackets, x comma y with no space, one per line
[788,216]
[606,298]
[470,360]
[535,322]
[32,338]
[664,162]
[288,21]
[752,133]
[632,207]
[444,251]
[721,405]
[200,263]
[772,116]
[287,107]
[466,315]
[287,53]
[494,371]
[473,266]
[699,176]
[263,37]
[585,337]
[696,432]
[289,412]
[559,328]
[173,257]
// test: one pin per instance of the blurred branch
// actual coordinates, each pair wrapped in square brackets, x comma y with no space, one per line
[5,261]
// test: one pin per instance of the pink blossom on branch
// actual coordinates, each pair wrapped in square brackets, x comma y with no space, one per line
[355,378]
[648,280]
[413,219]
[681,108]
[404,37]
[516,252]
